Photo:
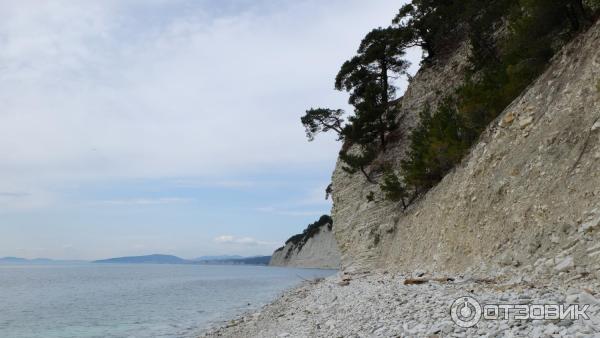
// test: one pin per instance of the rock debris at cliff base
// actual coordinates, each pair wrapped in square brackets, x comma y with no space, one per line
[381,305]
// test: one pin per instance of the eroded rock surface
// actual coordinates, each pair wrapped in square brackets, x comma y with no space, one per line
[527,196]
[318,251]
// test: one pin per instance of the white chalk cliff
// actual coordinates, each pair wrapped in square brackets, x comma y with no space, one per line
[318,250]
[527,196]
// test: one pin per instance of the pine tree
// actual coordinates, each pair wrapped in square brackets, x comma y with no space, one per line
[359,161]
[393,189]
[317,120]
[434,25]
[368,78]
[437,145]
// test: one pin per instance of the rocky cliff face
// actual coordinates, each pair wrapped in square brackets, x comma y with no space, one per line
[362,223]
[317,251]
[527,196]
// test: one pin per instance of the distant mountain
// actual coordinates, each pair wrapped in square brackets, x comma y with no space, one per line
[256,260]
[19,260]
[43,260]
[13,260]
[218,258]
[170,259]
[149,259]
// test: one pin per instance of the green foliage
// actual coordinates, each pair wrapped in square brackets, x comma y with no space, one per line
[511,42]
[501,70]
[483,19]
[434,25]
[536,29]
[393,189]
[359,161]
[438,25]
[311,230]
[368,78]
[328,191]
[594,5]
[481,100]
[437,144]
[317,120]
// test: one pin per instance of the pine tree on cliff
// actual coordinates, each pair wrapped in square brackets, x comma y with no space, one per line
[368,78]
[317,120]
[433,25]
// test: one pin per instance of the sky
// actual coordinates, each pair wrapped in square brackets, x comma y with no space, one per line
[131,127]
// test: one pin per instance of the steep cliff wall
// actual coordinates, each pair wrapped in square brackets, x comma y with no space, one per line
[528,194]
[361,221]
[316,251]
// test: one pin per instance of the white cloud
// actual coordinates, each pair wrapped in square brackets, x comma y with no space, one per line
[168,98]
[200,183]
[244,241]
[146,201]
[130,89]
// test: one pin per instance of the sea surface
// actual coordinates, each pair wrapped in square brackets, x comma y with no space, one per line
[120,300]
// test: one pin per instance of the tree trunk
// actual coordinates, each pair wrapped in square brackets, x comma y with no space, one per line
[382,133]
[362,169]
[384,99]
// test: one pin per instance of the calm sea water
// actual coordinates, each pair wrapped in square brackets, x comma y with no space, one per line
[105,300]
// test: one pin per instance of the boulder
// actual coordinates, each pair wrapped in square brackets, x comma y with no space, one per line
[565,264]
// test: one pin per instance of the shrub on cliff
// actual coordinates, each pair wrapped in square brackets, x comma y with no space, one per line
[437,144]
[394,189]
[359,161]
[311,230]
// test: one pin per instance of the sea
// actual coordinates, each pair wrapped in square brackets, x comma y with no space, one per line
[122,300]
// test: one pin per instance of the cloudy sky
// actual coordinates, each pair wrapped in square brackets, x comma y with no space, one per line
[167,126]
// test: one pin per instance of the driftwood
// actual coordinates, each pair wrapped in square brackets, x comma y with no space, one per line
[312,281]
[417,281]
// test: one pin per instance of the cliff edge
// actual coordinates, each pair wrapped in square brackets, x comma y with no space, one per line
[316,247]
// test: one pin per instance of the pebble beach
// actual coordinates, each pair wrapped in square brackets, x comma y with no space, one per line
[399,305]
